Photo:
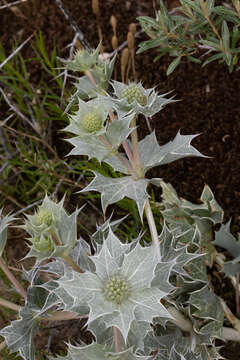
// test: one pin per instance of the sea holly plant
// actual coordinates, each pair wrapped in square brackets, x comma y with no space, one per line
[145,297]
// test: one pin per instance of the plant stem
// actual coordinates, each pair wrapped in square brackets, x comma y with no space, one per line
[153,229]
[91,78]
[117,339]
[63,315]
[10,305]
[180,320]
[237,295]
[122,159]
[128,152]
[12,278]
[70,262]
[3,345]
[233,320]
[134,137]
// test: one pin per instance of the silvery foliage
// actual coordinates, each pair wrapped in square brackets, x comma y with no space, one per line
[51,222]
[120,286]
[4,222]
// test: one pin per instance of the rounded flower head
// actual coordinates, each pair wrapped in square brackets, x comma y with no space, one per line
[117,289]
[92,122]
[134,99]
[43,216]
[89,119]
[83,60]
[133,92]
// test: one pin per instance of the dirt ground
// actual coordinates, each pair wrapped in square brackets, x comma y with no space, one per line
[209,97]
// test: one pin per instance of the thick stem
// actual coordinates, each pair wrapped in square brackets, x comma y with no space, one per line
[179,319]
[128,152]
[91,78]
[185,325]
[3,345]
[233,320]
[237,295]
[134,137]
[64,315]
[12,278]
[122,159]
[10,305]
[229,334]
[70,262]
[153,229]
[117,339]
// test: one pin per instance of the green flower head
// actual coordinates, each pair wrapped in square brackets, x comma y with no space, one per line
[43,216]
[133,98]
[43,244]
[52,231]
[119,291]
[83,60]
[89,119]
[134,92]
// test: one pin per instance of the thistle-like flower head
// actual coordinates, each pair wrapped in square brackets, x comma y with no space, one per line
[133,92]
[133,98]
[52,231]
[83,60]
[89,119]
[43,217]
[119,291]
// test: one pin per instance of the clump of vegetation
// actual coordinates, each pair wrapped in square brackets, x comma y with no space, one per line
[145,295]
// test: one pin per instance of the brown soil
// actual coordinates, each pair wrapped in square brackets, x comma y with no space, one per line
[209,97]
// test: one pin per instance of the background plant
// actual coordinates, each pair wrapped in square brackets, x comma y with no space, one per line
[194,27]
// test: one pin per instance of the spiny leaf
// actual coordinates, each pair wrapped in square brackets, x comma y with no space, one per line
[225,239]
[20,333]
[117,264]
[96,351]
[151,154]
[106,146]
[113,190]
[4,222]
[208,307]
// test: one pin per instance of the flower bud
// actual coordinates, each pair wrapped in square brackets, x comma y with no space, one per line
[43,244]
[117,289]
[43,216]
[92,122]
[132,92]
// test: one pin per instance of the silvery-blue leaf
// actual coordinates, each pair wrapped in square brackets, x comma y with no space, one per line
[81,253]
[230,268]
[152,154]
[4,222]
[170,251]
[113,190]
[20,333]
[96,351]
[225,239]
[151,105]
[116,132]
[102,230]
[105,335]
[117,263]
[162,275]
[208,307]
